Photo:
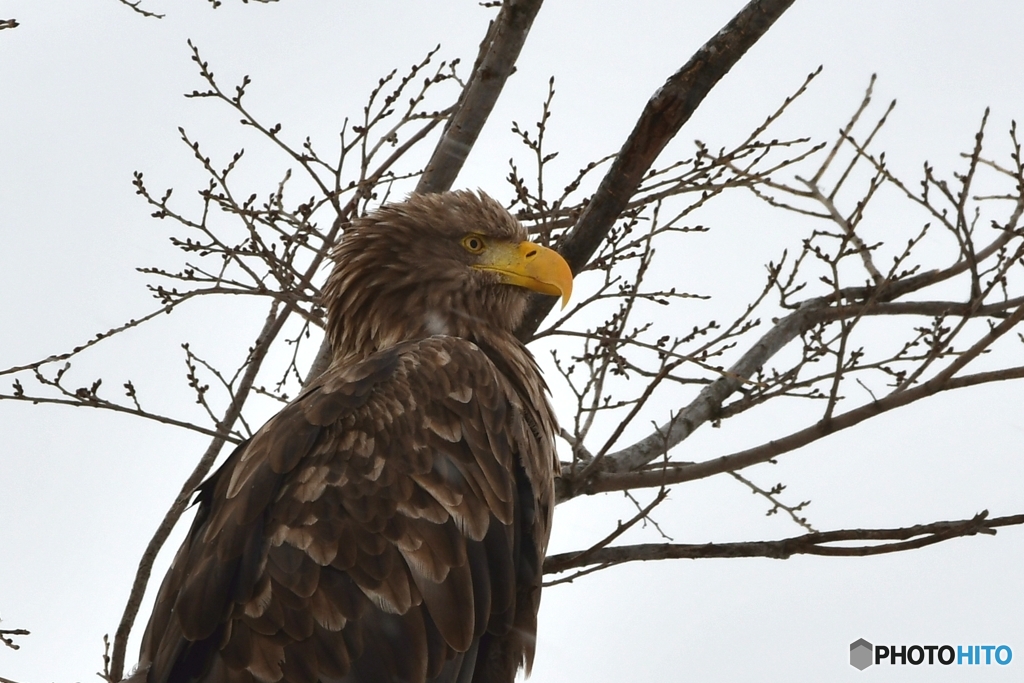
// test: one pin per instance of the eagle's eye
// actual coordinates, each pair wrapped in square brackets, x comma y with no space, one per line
[474,244]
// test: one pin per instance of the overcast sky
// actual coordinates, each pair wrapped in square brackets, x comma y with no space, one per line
[90,92]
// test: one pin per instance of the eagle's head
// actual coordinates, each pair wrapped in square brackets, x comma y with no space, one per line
[454,263]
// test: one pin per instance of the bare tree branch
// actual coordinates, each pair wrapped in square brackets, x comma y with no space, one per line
[499,51]
[7,639]
[271,328]
[137,7]
[495,63]
[96,339]
[871,543]
[582,558]
[712,397]
[675,473]
[665,113]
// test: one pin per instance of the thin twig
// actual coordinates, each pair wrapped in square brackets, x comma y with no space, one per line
[136,6]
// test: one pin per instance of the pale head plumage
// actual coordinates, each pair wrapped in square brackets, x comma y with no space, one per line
[428,285]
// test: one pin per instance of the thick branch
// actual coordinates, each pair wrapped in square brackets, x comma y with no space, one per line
[708,403]
[498,54]
[906,538]
[663,475]
[665,113]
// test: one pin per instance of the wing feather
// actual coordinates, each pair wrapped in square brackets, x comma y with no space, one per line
[371,531]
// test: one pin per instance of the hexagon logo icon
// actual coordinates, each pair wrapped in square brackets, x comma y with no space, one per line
[861,652]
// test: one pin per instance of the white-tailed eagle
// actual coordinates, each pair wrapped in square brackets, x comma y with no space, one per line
[389,524]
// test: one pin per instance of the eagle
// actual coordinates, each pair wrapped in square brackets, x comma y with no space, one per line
[390,523]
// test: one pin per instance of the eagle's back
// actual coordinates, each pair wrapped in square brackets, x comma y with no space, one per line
[388,525]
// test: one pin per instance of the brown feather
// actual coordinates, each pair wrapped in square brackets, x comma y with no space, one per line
[390,523]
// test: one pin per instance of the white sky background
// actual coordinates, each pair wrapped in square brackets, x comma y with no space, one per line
[90,92]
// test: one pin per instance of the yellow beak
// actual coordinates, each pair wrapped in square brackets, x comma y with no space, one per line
[529,265]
